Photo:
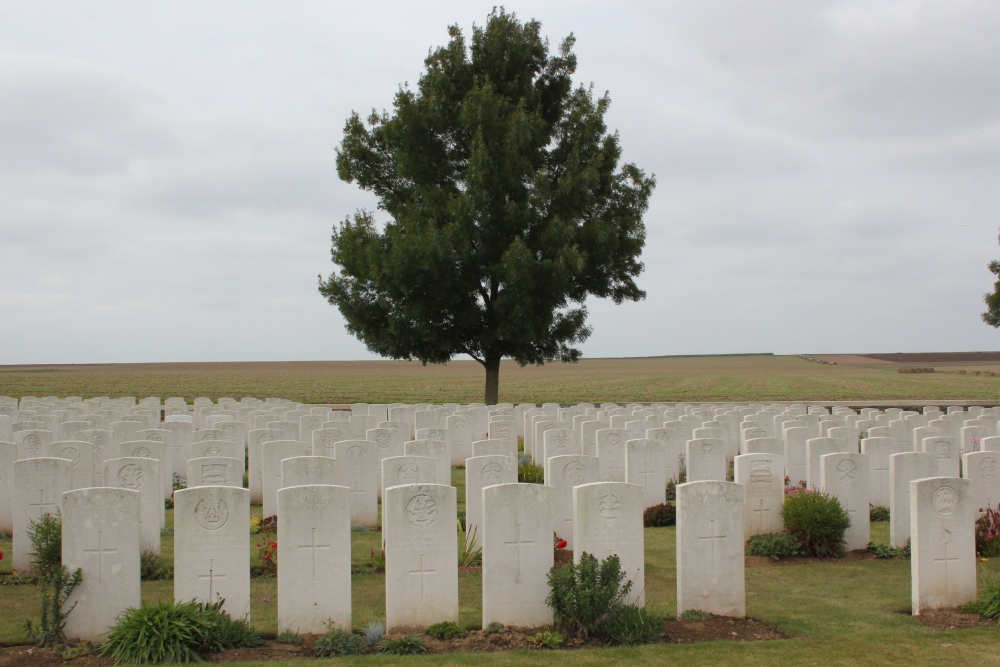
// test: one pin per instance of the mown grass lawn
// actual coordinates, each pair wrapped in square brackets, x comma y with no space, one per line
[843,612]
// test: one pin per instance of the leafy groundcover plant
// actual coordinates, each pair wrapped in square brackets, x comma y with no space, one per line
[818,521]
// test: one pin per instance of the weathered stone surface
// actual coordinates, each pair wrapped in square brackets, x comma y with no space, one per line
[943,548]
[607,520]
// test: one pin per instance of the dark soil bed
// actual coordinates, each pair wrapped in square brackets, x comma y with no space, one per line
[718,628]
[952,619]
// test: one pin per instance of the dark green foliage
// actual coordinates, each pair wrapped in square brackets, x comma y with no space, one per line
[988,603]
[878,513]
[528,473]
[494,628]
[582,595]
[992,299]
[672,490]
[408,645]
[289,637]
[630,625]
[818,521]
[694,615]
[446,630]
[46,544]
[548,639]
[340,642]
[507,208]
[886,551]
[461,518]
[54,588]
[659,516]
[774,545]
[153,567]
[165,632]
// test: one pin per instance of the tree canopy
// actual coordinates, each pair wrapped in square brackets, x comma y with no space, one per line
[507,208]
[992,299]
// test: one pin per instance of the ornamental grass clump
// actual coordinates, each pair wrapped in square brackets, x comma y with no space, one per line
[818,521]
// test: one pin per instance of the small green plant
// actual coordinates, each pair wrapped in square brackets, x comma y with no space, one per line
[552,640]
[360,529]
[226,632]
[631,625]
[818,521]
[289,637]
[878,513]
[374,632]
[340,642]
[494,628]
[888,551]
[446,630]
[267,553]
[461,518]
[581,595]
[528,473]
[408,645]
[774,546]
[988,603]
[672,490]
[659,516]
[46,544]
[694,615]
[153,567]
[469,555]
[55,587]
[376,559]
[988,532]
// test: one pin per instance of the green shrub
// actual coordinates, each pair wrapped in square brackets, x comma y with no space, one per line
[988,604]
[54,588]
[340,642]
[46,544]
[878,513]
[176,632]
[658,516]
[408,645]
[630,625]
[528,473]
[289,637]
[887,551]
[153,567]
[581,595]
[446,630]
[461,518]
[818,521]
[494,628]
[548,639]
[774,545]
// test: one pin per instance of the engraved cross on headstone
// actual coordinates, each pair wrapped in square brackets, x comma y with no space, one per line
[945,561]
[421,572]
[41,503]
[517,542]
[759,512]
[712,537]
[100,551]
[211,576]
[614,470]
[313,547]
[882,468]
[646,473]
[356,490]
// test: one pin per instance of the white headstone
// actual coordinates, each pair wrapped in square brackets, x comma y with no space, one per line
[421,555]
[150,449]
[494,448]
[845,476]
[516,537]
[764,494]
[815,448]
[903,469]
[480,472]
[982,469]
[439,450]
[38,487]
[314,558]
[358,469]
[710,548]
[645,466]
[100,535]
[943,548]
[272,455]
[612,454]
[212,546]
[607,520]
[8,454]
[141,475]
[878,451]
[947,455]
[308,471]
[705,460]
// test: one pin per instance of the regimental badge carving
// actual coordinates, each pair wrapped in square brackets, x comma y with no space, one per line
[706,448]
[229,430]
[212,512]
[611,507]
[214,473]
[356,455]
[408,473]
[942,449]
[383,440]
[560,439]
[945,501]
[988,468]
[574,472]
[760,472]
[460,424]
[847,470]
[265,437]
[434,434]
[422,510]
[154,437]
[142,451]
[492,474]
[95,439]
[72,454]
[130,476]
[209,436]
[614,438]
[663,437]
[31,441]
[213,451]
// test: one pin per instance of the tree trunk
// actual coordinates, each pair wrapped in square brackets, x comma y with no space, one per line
[492,380]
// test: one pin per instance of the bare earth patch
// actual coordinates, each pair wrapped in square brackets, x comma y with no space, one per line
[953,619]
[718,628]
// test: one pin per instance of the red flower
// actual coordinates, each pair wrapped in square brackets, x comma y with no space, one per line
[1,555]
[267,556]
[561,544]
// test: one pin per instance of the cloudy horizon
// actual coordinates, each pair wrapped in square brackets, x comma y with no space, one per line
[826,172]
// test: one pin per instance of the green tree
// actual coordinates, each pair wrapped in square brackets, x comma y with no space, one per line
[992,299]
[507,208]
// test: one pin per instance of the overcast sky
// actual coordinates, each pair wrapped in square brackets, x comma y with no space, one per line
[828,172]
